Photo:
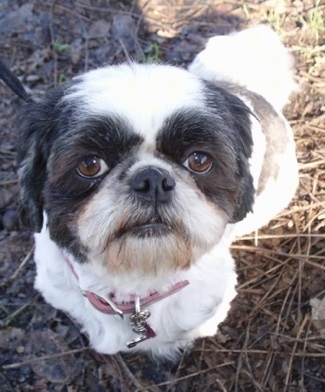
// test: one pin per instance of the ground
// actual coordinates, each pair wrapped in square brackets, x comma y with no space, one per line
[273,338]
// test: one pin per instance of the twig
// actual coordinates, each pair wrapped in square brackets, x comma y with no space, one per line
[266,352]
[289,372]
[8,384]
[21,266]
[188,376]
[120,40]
[17,312]
[171,386]
[55,56]
[8,182]
[279,253]
[284,236]
[44,358]
[126,369]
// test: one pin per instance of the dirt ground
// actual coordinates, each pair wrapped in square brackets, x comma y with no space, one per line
[273,338]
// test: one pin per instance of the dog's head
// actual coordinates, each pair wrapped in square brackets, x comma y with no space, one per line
[137,167]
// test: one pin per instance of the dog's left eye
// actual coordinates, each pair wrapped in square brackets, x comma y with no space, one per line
[91,166]
[199,162]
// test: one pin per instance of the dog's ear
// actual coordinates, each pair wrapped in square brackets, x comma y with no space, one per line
[36,126]
[237,126]
[243,144]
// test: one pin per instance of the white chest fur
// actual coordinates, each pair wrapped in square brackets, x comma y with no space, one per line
[194,311]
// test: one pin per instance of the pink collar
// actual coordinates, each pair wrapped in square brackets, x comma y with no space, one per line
[108,304]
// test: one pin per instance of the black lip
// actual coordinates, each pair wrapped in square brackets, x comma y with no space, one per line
[150,230]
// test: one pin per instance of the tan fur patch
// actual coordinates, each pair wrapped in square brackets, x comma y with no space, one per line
[151,256]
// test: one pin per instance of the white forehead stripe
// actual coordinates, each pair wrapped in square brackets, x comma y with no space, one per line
[143,94]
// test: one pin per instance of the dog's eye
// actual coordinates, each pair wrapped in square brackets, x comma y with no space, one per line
[91,166]
[198,162]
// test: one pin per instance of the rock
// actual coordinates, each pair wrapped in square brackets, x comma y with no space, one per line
[123,28]
[10,220]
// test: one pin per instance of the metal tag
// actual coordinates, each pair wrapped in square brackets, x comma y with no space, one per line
[139,325]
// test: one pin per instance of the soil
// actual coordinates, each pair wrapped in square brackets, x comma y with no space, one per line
[273,338]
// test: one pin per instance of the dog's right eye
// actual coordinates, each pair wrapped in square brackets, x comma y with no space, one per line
[91,166]
[199,162]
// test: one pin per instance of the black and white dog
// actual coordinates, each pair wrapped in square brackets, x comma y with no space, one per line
[136,178]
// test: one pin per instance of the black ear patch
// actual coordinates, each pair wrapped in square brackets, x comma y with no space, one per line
[32,178]
[237,117]
[36,126]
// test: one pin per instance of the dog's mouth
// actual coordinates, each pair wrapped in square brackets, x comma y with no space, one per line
[150,230]
[153,228]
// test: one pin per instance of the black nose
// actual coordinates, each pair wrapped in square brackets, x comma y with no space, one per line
[153,184]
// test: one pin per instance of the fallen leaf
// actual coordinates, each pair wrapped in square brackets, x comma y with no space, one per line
[318,314]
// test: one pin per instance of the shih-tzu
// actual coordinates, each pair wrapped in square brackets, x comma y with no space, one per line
[136,178]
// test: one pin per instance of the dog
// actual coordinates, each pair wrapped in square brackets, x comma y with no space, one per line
[136,178]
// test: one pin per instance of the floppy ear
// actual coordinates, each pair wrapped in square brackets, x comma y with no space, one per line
[243,144]
[36,127]
[237,122]
[31,173]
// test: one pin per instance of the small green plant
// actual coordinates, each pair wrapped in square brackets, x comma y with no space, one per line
[58,47]
[153,56]
[11,317]
[62,79]
[246,11]
[316,20]
[275,20]
[4,309]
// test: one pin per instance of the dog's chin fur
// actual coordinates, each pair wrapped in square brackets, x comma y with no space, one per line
[147,220]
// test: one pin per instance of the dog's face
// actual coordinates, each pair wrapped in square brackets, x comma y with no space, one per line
[138,168]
